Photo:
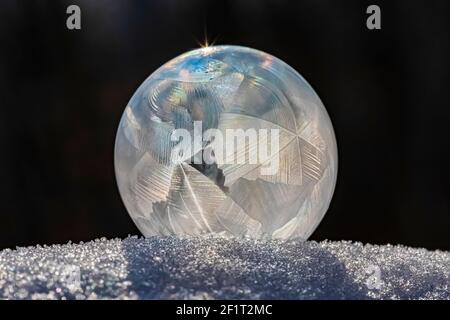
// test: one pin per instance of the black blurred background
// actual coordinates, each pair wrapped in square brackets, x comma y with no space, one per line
[62,94]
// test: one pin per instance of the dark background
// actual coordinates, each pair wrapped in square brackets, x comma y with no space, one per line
[62,94]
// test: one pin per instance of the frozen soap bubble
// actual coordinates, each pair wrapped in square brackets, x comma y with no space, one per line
[226,140]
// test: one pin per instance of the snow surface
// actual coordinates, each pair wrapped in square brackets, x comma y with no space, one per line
[219,268]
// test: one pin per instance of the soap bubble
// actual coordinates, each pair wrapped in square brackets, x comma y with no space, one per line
[226,140]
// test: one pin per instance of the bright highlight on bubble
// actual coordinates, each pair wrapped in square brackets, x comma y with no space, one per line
[226,140]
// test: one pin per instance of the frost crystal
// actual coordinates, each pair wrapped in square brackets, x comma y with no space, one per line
[220,268]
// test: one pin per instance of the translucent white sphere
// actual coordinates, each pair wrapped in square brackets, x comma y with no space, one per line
[226,140]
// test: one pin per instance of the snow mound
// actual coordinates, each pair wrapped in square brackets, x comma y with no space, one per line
[219,268]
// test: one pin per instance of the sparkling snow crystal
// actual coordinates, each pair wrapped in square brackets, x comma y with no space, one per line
[219,268]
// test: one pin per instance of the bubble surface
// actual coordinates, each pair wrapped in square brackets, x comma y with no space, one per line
[257,157]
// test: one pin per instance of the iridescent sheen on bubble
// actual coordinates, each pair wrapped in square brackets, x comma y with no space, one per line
[226,87]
